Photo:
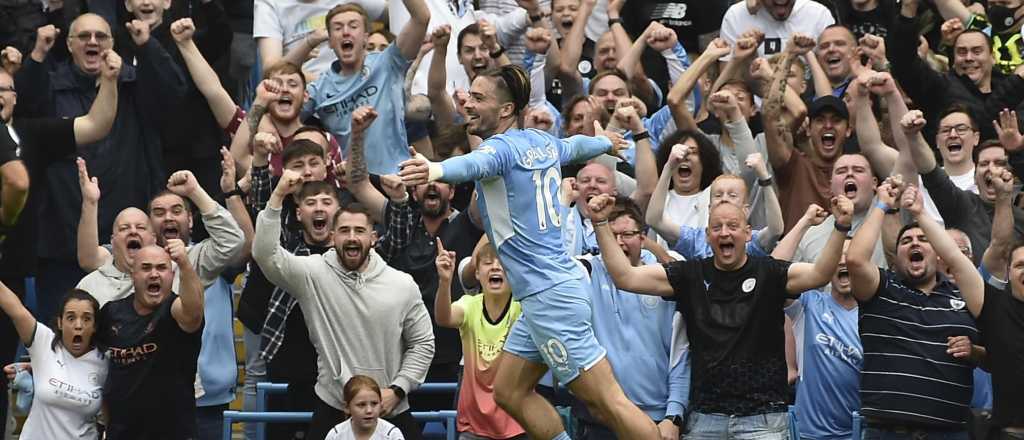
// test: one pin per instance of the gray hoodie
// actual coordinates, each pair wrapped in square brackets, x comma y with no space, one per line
[372,322]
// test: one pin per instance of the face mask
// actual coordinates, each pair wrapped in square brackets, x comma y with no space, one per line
[1001,18]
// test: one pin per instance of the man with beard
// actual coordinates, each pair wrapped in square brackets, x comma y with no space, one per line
[738,356]
[153,339]
[377,79]
[410,243]
[128,161]
[974,80]
[518,179]
[778,19]
[385,328]
[803,179]
[271,313]
[911,386]
[965,210]
[170,218]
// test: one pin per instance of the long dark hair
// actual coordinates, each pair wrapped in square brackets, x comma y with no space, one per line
[74,295]
[710,159]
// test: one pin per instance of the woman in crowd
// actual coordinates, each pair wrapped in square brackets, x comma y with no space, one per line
[69,369]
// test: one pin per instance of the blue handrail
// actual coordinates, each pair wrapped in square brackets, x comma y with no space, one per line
[264,389]
[231,417]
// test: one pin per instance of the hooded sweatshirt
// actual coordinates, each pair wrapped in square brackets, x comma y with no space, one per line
[370,322]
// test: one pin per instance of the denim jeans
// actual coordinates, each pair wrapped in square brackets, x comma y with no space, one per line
[255,371]
[770,426]
[875,433]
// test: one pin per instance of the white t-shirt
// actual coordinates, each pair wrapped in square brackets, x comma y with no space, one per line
[290,21]
[68,390]
[687,210]
[965,181]
[808,17]
[385,431]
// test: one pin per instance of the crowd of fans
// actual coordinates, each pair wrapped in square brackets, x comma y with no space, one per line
[822,192]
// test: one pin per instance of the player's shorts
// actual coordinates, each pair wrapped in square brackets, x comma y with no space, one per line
[556,329]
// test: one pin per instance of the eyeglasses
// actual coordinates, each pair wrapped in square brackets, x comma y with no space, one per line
[100,37]
[627,235]
[961,129]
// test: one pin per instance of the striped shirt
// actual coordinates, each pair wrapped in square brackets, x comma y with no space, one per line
[907,377]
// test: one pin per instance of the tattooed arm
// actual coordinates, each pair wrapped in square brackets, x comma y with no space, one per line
[778,137]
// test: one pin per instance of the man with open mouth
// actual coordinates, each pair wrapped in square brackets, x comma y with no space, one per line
[731,303]
[170,218]
[911,384]
[968,211]
[269,311]
[386,330]
[153,339]
[802,178]
[359,78]
[829,355]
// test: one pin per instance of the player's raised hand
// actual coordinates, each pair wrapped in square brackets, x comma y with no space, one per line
[415,170]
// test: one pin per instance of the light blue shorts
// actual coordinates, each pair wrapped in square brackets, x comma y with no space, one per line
[556,329]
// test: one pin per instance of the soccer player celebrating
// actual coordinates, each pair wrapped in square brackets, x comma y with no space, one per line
[519,171]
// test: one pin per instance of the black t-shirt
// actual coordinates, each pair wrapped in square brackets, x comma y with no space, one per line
[41,141]
[734,321]
[150,384]
[1002,325]
[875,22]
[688,18]
[458,234]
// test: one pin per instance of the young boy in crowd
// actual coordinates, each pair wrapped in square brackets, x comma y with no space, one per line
[483,321]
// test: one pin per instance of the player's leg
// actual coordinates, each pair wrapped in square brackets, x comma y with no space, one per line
[599,390]
[520,367]
[559,321]
[514,390]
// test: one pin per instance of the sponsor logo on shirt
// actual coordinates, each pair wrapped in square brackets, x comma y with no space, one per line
[346,105]
[131,355]
[68,391]
[837,348]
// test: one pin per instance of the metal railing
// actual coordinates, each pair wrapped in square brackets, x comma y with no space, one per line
[264,389]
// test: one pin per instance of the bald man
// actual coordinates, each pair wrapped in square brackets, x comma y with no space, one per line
[153,340]
[127,163]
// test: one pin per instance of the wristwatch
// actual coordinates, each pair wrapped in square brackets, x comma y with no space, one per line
[676,420]
[399,392]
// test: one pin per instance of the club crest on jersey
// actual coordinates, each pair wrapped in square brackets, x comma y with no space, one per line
[748,285]
[957,304]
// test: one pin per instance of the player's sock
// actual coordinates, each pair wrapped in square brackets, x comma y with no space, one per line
[562,436]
